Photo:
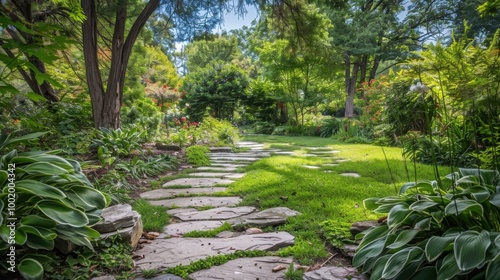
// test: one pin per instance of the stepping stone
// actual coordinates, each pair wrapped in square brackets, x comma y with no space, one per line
[221,149]
[221,213]
[168,193]
[185,227]
[216,167]
[311,166]
[306,155]
[330,164]
[351,174]
[269,217]
[228,165]
[325,152]
[162,253]
[218,174]
[226,159]
[334,272]
[246,154]
[198,182]
[198,201]
[175,211]
[284,153]
[162,277]
[245,268]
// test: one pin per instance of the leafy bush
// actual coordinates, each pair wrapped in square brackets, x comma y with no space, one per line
[198,155]
[436,230]
[119,142]
[115,185]
[150,166]
[51,199]
[330,127]
[263,127]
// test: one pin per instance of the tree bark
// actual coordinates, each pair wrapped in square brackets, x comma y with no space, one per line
[350,85]
[106,103]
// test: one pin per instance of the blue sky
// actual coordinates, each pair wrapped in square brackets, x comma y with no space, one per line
[232,21]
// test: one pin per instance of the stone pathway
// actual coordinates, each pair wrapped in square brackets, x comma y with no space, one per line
[185,196]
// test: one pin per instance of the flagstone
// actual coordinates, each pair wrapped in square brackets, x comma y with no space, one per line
[198,201]
[169,193]
[185,227]
[220,213]
[198,182]
[218,174]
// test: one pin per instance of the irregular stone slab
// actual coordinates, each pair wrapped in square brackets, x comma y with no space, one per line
[216,167]
[246,154]
[358,227]
[268,217]
[168,193]
[132,234]
[306,155]
[185,227]
[175,211]
[198,182]
[349,250]
[221,213]
[229,159]
[198,201]
[228,165]
[229,234]
[283,153]
[162,277]
[311,166]
[161,253]
[334,273]
[326,152]
[351,174]
[105,277]
[116,217]
[245,268]
[218,174]
[221,149]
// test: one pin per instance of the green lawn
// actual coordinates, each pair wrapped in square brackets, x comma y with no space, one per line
[322,194]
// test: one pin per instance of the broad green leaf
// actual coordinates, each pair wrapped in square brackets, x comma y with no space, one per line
[1,211]
[37,242]
[372,234]
[89,196]
[35,97]
[3,178]
[438,216]
[399,260]
[422,205]
[378,267]
[397,215]
[459,206]
[42,232]
[39,189]
[448,268]
[488,177]
[425,273]
[406,187]
[21,139]
[371,250]
[44,168]
[31,269]
[424,224]
[470,248]
[403,238]
[36,221]
[62,213]
[436,245]
[371,203]
[479,193]
[385,208]
[493,269]
[495,200]
[78,231]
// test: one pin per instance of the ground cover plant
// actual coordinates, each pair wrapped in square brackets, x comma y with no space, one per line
[320,196]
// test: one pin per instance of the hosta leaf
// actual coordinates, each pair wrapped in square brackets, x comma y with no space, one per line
[385,208]
[3,178]
[459,206]
[436,245]
[422,205]
[89,196]
[407,186]
[1,211]
[448,268]
[37,242]
[397,215]
[30,269]
[371,203]
[63,214]
[42,232]
[425,273]
[399,260]
[495,200]
[39,189]
[493,269]
[78,231]
[36,221]
[424,224]
[480,194]
[44,168]
[403,238]
[378,267]
[470,248]
[372,234]
[371,250]
[438,216]
[489,177]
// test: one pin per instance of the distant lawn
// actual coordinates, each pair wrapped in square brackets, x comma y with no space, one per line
[322,194]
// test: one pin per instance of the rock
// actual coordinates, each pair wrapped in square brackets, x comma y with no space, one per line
[245,268]
[361,226]
[268,217]
[185,227]
[221,213]
[64,246]
[162,277]
[198,182]
[221,149]
[225,175]
[105,277]
[334,273]
[349,249]
[231,159]
[115,217]
[199,201]
[253,231]
[168,193]
[223,167]
[228,234]
[351,174]
[311,166]
[163,253]
[165,147]
[130,234]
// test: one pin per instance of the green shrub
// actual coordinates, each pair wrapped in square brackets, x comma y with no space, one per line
[114,143]
[198,155]
[263,127]
[149,166]
[436,230]
[51,199]
[330,127]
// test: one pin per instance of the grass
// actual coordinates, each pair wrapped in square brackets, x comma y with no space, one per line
[318,195]
[209,233]
[154,218]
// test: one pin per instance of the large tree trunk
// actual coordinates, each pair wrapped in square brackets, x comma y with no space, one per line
[350,85]
[106,103]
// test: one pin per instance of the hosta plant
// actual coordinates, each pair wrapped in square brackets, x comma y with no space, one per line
[118,142]
[444,229]
[44,197]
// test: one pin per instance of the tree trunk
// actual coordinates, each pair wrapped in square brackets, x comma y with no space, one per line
[350,85]
[373,71]
[106,103]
